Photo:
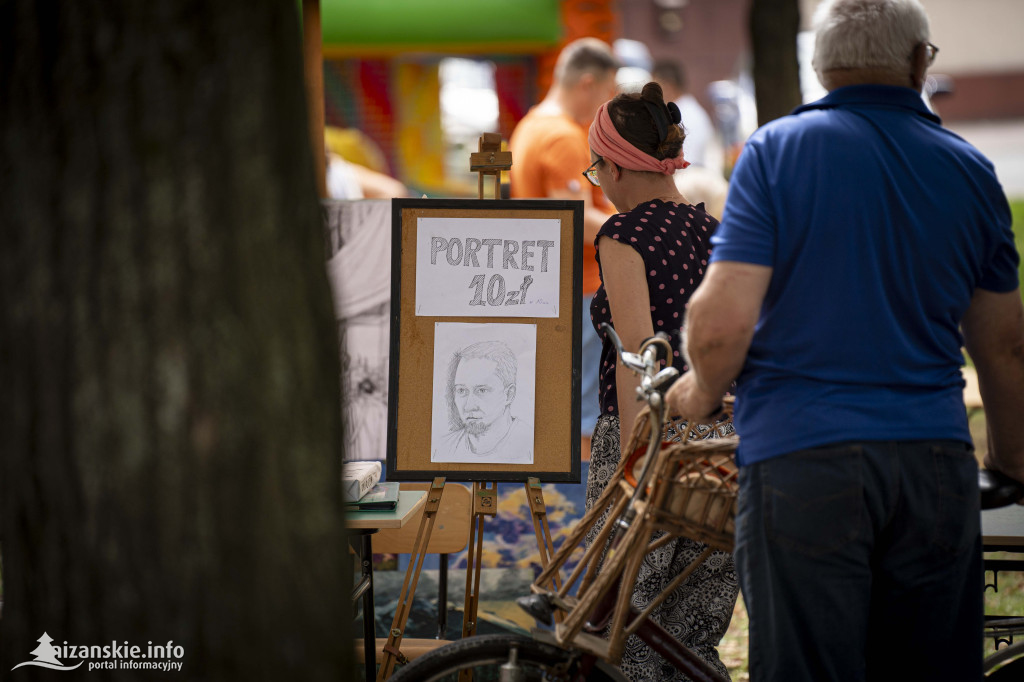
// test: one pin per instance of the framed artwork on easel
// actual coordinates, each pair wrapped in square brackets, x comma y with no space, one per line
[485,340]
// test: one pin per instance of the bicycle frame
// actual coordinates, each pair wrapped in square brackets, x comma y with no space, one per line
[687,475]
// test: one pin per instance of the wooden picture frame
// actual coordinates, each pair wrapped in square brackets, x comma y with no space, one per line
[412,371]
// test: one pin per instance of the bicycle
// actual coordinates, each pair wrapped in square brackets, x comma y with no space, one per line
[686,487]
[682,487]
[1006,663]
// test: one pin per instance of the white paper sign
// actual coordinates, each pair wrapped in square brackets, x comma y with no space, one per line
[484,393]
[487,267]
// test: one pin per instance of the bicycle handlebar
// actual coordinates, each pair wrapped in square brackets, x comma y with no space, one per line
[654,351]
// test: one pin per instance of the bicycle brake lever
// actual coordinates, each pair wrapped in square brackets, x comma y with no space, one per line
[657,383]
[664,378]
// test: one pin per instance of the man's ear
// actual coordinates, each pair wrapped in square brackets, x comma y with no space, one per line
[919,67]
[510,394]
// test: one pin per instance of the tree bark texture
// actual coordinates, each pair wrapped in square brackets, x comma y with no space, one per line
[169,412]
[774,25]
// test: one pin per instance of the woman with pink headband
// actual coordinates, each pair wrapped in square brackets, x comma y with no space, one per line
[652,256]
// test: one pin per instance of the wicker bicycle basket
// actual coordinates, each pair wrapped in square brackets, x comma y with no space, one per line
[700,500]
[694,492]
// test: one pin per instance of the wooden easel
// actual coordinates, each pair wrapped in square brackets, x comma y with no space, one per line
[490,160]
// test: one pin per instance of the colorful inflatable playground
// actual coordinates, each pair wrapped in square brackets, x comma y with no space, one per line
[407,81]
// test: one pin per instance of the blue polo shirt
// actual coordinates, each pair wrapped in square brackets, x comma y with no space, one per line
[879,225]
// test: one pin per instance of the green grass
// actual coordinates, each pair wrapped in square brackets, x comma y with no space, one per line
[1017,208]
[733,648]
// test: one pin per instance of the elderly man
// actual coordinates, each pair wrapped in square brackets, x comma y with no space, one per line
[859,238]
[549,152]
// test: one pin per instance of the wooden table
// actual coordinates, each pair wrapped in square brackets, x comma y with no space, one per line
[362,525]
[1003,528]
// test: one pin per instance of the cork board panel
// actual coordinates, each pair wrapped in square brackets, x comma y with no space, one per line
[556,444]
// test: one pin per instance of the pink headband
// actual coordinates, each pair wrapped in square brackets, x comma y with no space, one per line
[606,142]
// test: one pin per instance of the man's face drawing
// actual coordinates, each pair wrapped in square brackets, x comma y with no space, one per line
[480,395]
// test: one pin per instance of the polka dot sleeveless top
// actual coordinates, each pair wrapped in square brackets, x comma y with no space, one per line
[675,243]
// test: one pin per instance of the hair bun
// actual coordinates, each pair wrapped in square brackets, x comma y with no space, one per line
[674,114]
[652,92]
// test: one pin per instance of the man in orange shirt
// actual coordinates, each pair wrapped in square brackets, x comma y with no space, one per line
[549,154]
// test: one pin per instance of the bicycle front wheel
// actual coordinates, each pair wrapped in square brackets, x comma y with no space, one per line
[486,654]
[1006,664]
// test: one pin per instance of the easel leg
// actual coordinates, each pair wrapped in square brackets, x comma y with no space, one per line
[476,532]
[392,652]
[485,503]
[539,512]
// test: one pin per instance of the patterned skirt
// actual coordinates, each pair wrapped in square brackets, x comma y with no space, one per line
[698,612]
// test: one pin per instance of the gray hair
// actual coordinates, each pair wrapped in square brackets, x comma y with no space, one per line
[497,352]
[586,55]
[867,34]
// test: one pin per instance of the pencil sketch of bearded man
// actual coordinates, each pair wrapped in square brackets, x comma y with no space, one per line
[480,391]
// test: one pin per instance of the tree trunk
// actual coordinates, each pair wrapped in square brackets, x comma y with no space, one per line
[170,407]
[774,25]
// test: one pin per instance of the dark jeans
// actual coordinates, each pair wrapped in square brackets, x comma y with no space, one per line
[862,561]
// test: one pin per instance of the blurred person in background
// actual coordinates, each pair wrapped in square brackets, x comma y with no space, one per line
[549,148]
[347,180]
[703,181]
[356,168]
[701,147]
[634,64]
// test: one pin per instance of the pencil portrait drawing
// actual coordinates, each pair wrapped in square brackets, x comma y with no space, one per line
[485,422]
